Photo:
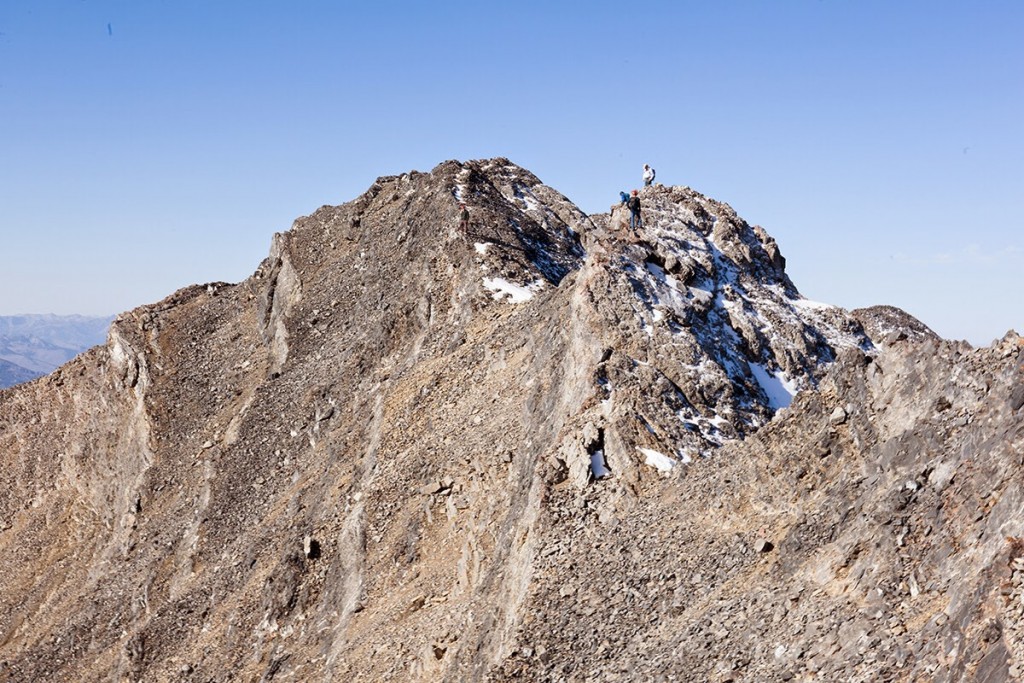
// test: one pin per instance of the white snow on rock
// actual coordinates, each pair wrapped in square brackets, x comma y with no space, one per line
[662,462]
[812,305]
[460,187]
[661,276]
[711,307]
[779,390]
[530,202]
[702,296]
[714,304]
[516,294]
[598,467]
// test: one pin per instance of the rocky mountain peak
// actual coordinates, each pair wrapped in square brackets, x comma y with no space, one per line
[402,452]
[697,302]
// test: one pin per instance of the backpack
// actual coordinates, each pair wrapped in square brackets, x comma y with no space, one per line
[634,204]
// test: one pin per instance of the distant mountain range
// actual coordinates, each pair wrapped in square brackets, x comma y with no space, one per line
[35,345]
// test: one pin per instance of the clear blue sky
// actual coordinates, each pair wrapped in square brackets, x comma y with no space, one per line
[152,145]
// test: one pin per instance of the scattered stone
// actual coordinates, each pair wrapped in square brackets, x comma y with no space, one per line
[433,487]
[837,417]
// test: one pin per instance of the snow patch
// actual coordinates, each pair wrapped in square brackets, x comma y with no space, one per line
[658,460]
[779,390]
[531,203]
[460,184]
[515,293]
[718,421]
[598,467]
[813,305]
[655,270]
[701,296]
[661,276]
[481,247]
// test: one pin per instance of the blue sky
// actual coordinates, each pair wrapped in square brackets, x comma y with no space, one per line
[152,145]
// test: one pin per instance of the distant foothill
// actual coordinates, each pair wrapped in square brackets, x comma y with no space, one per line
[34,345]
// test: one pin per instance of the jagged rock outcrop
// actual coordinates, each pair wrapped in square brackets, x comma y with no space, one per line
[546,450]
[892,324]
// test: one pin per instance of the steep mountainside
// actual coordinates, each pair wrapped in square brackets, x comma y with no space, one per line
[547,450]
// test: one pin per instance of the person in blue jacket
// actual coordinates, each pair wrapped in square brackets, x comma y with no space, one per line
[635,219]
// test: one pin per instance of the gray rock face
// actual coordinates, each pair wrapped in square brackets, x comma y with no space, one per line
[546,450]
[887,324]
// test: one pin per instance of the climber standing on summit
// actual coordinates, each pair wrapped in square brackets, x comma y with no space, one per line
[636,221]
[648,175]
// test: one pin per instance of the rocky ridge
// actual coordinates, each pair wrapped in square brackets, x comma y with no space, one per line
[401,453]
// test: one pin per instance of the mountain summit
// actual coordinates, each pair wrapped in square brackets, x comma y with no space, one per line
[544,448]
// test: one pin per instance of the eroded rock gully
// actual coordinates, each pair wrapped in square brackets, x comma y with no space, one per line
[548,450]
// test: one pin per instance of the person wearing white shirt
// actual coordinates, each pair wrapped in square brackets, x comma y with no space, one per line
[648,175]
